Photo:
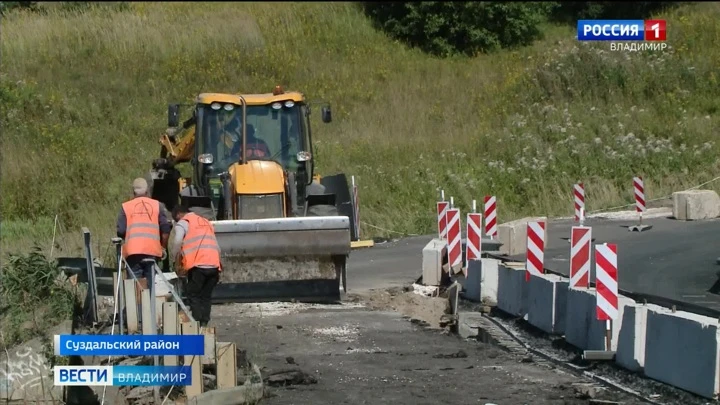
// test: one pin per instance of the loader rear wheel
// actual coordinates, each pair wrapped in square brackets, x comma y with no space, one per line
[322,210]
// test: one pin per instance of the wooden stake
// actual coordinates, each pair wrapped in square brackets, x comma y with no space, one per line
[196,388]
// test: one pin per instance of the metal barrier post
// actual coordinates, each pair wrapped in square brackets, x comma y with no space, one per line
[121,283]
[92,284]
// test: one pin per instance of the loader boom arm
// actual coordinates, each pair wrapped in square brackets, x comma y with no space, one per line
[178,144]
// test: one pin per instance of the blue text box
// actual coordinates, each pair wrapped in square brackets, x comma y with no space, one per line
[611,30]
[151,375]
[129,345]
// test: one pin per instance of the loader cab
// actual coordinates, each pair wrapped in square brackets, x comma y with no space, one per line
[275,126]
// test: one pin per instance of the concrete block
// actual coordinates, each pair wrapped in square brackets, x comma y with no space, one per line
[682,349]
[433,254]
[547,302]
[512,290]
[696,204]
[468,324]
[481,284]
[597,332]
[513,235]
[631,340]
[582,328]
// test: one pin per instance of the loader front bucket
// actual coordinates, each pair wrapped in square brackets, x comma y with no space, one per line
[282,259]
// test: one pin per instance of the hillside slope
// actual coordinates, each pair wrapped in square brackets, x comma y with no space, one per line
[83,102]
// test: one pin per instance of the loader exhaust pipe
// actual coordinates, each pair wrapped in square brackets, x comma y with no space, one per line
[243,153]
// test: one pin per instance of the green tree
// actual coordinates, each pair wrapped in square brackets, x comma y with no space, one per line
[446,28]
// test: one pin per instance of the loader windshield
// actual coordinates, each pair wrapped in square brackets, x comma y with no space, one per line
[273,133]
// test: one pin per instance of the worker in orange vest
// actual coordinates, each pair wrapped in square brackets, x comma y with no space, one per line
[195,248]
[144,226]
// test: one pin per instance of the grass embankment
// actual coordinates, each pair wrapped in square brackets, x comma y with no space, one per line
[84,101]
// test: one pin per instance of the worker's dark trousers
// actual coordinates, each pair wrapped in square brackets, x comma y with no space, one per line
[200,285]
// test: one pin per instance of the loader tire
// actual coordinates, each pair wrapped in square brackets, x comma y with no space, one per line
[322,210]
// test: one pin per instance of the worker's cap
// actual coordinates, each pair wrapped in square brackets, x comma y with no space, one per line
[140,186]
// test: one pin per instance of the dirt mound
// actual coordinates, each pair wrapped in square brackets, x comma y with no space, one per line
[411,304]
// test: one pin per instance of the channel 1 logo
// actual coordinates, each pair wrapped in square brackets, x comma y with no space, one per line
[622,30]
[655,30]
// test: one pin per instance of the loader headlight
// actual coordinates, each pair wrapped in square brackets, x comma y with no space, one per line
[205,158]
[260,206]
[289,103]
[215,106]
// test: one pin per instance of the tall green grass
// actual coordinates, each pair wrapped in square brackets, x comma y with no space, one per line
[83,101]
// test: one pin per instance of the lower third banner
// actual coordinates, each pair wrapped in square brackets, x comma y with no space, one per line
[122,375]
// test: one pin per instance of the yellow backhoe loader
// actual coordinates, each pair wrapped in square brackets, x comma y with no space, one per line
[284,232]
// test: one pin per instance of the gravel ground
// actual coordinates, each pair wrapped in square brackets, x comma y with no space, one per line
[557,348]
[377,348]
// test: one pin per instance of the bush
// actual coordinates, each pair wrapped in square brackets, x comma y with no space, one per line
[446,28]
[6,6]
[32,297]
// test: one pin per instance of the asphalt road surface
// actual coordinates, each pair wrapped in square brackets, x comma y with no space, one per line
[673,259]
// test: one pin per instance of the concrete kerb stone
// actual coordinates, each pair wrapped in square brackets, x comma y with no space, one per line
[582,328]
[468,324]
[683,349]
[630,352]
[481,284]
[695,205]
[513,235]
[547,302]
[512,289]
[432,261]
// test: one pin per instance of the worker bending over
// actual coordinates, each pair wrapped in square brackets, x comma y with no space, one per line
[195,248]
[145,228]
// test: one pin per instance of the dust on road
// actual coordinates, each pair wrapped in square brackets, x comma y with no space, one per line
[367,352]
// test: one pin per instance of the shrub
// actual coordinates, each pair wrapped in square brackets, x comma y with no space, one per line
[32,297]
[445,28]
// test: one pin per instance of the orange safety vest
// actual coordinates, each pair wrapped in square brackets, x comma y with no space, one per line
[142,235]
[199,246]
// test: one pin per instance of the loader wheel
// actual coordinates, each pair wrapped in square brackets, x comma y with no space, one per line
[322,210]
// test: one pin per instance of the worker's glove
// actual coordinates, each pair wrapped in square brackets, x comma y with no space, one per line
[164,254]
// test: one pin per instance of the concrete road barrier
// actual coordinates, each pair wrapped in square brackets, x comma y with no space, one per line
[513,235]
[695,204]
[432,261]
[631,340]
[481,284]
[682,349]
[582,328]
[512,289]
[547,302]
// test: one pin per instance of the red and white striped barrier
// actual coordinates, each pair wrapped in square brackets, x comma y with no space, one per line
[606,281]
[579,195]
[535,256]
[473,244]
[639,194]
[453,236]
[491,216]
[580,247]
[442,207]
[356,208]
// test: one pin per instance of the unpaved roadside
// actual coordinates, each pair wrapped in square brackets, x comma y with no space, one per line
[364,352]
